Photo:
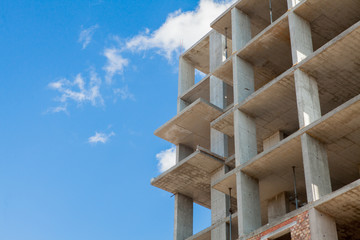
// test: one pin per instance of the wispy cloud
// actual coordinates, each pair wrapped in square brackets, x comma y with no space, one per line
[180,30]
[100,137]
[166,159]
[115,63]
[79,91]
[86,35]
[123,93]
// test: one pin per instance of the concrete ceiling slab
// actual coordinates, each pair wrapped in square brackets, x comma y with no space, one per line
[191,126]
[191,176]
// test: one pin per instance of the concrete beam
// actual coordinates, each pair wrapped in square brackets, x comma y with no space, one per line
[183,217]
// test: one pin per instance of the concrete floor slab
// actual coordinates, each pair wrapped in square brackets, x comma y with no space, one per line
[191,176]
[191,126]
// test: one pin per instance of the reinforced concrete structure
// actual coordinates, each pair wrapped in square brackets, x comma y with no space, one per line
[269,139]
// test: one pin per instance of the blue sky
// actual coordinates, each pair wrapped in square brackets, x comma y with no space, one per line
[84,84]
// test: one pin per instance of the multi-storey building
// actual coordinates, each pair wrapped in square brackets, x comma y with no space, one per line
[269,139]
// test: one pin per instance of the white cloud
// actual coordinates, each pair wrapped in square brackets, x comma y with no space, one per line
[115,63]
[180,30]
[78,91]
[86,35]
[123,93]
[166,159]
[100,137]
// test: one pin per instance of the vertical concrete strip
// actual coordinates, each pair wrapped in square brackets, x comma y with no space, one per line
[322,226]
[300,37]
[307,98]
[292,3]
[218,140]
[248,199]
[317,176]
[186,81]
[183,217]
[278,206]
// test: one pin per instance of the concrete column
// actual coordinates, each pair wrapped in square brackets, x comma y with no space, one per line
[292,3]
[183,217]
[278,206]
[240,29]
[273,140]
[182,152]
[300,38]
[322,226]
[316,169]
[307,98]
[218,140]
[248,200]
[186,81]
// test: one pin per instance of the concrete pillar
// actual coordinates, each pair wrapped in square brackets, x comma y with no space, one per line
[248,199]
[183,217]
[248,202]
[278,206]
[300,38]
[240,29]
[316,169]
[218,140]
[182,152]
[307,98]
[322,226]
[292,3]
[273,140]
[186,81]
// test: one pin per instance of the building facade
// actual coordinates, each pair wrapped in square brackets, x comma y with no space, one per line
[269,139]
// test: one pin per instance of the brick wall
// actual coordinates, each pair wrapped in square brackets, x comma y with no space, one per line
[300,231]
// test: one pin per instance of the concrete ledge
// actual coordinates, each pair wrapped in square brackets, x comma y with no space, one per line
[191,176]
[191,126]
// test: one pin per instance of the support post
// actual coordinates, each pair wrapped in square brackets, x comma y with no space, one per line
[183,217]
[322,226]
[186,80]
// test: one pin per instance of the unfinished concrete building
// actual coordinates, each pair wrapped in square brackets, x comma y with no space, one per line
[269,139]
